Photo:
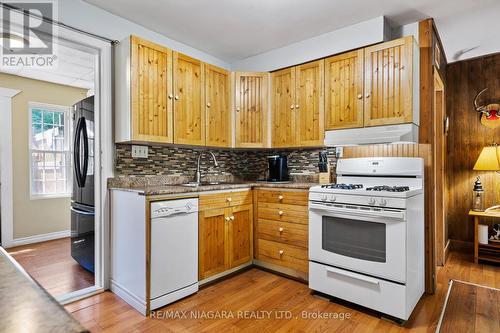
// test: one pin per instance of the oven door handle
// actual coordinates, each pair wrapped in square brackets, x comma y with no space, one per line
[353,275]
[359,212]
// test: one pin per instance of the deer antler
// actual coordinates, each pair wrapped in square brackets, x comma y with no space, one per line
[481,108]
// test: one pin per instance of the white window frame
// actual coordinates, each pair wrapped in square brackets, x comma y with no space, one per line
[67,135]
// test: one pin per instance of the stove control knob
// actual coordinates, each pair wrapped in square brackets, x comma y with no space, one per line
[371,201]
[332,198]
[323,197]
[383,202]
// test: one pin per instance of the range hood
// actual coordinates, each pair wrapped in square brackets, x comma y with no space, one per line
[404,133]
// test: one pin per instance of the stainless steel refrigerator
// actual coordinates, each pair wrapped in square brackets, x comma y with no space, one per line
[82,200]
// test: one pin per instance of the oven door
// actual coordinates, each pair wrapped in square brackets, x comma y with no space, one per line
[362,239]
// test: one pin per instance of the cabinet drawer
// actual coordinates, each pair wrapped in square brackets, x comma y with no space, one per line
[283,197]
[283,255]
[282,212]
[225,199]
[283,232]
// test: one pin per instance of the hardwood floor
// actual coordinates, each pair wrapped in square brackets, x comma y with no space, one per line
[471,308]
[51,265]
[257,290]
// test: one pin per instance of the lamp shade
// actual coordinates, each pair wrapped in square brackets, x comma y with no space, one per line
[489,159]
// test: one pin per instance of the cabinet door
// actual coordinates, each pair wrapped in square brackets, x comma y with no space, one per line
[151,84]
[212,242]
[344,90]
[240,235]
[388,82]
[189,109]
[251,109]
[283,108]
[217,91]
[309,104]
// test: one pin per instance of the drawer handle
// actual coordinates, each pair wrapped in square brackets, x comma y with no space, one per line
[280,197]
[227,218]
[281,252]
[353,276]
[281,229]
[229,199]
[231,217]
[280,213]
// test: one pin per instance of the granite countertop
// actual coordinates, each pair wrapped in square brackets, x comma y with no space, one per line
[27,307]
[179,189]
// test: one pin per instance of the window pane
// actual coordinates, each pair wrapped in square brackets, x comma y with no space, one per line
[36,116]
[48,117]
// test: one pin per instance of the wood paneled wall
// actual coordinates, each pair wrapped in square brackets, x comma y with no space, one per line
[410,150]
[467,137]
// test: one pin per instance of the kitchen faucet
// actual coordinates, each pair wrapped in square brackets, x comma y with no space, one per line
[198,172]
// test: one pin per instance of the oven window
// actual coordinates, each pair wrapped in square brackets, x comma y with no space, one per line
[355,239]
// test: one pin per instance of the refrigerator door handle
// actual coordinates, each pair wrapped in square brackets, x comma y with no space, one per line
[85,151]
[76,153]
[82,212]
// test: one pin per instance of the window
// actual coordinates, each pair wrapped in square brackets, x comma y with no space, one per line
[49,151]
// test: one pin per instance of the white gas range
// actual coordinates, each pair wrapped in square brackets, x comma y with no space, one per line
[366,234]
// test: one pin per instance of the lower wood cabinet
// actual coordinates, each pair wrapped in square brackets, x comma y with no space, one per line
[225,237]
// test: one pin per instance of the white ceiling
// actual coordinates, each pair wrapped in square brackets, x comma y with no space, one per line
[74,68]
[233,30]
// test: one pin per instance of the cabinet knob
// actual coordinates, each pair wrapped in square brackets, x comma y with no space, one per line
[176,97]
[292,106]
[280,197]
[402,67]
[367,95]
[237,109]
[209,105]
[170,96]
[281,252]
[280,213]
[229,199]
[281,229]
[360,96]
[296,106]
[227,218]
[231,217]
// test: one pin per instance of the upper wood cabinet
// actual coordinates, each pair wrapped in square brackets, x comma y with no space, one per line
[143,99]
[309,104]
[283,132]
[297,106]
[344,98]
[251,109]
[218,107]
[389,83]
[189,109]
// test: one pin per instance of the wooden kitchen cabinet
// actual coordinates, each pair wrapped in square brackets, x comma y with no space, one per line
[225,233]
[389,83]
[298,106]
[144,82]
[212,242]
[344,98]
[218,107]
[189,92]
[251,109]
[283,132]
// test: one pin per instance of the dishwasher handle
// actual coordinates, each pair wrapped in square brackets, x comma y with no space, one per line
[162,212]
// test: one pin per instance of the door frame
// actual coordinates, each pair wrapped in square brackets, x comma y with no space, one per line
[439,152]
[103,92]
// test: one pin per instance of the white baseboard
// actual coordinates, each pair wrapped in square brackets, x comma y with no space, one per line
[130,298]
[40,238]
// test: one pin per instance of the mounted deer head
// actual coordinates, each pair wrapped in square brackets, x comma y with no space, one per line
[489,114]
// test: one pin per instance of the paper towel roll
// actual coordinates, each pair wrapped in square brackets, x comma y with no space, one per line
[482,234]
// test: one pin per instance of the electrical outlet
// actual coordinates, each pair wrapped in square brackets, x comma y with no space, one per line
[339,151]
[139,151]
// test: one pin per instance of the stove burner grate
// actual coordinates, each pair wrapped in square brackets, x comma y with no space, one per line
[388,188]
[343,186]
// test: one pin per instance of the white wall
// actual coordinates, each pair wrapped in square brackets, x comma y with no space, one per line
[81,15]
[355,36]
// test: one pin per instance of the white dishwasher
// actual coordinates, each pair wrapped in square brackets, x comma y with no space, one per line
[174,250]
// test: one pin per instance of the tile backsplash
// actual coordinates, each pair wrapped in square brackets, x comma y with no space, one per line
[240,164]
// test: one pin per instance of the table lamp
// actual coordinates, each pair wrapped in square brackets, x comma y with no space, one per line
[488,160]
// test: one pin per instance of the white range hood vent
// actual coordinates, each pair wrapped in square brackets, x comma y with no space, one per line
[405,133]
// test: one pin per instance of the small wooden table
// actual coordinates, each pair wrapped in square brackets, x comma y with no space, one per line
[492,249]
